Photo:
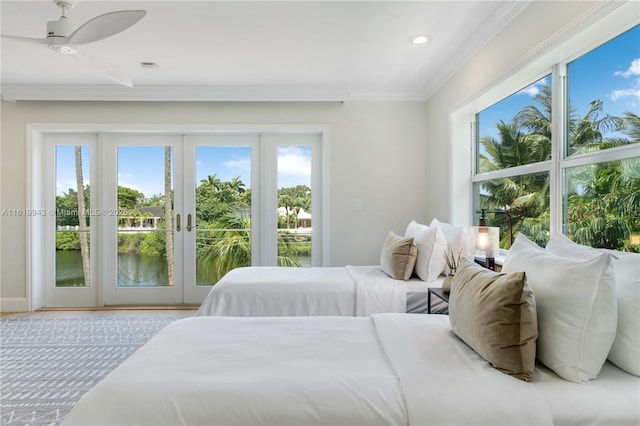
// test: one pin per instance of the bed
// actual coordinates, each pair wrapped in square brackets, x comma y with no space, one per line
[318,291]
[409,266]
[552,340]
[383,369]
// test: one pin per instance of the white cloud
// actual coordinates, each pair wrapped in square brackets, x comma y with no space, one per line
[634,69]
[132,186]
[624,93]
[243,164]
[122,181]
[630,94]
[533,89]
[294,162]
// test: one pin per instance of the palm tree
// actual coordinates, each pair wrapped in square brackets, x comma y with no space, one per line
[168,214]
[294,199]
[526,197]
[632,126]
[82,218]
[604,207]
[534,119]
[230,246]
[586,133]
[212,181]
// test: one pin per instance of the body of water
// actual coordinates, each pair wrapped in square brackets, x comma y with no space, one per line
[134,270]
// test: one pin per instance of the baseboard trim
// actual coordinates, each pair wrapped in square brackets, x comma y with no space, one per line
[13,304]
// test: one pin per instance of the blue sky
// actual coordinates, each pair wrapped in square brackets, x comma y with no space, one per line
[142,168]
[610,73]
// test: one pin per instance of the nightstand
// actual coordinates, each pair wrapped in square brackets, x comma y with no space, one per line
[439,293]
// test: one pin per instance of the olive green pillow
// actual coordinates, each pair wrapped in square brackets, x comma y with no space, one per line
[495,314]
[398,256]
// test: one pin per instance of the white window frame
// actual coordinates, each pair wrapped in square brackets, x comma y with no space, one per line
[553,59]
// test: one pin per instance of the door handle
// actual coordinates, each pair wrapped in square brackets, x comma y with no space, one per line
[178,222]
[189,222]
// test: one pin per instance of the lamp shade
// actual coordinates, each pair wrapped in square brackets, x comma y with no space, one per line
[487,239]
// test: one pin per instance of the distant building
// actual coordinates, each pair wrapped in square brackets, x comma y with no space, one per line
[142,218]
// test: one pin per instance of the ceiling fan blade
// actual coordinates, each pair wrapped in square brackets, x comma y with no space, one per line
[105,25]
[26,39]
[105,68]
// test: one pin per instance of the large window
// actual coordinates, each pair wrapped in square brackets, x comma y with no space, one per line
[565,146]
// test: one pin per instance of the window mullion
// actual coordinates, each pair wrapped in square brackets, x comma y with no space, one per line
[558,142]
[542,166]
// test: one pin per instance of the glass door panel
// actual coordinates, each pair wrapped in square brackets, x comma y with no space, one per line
[143,219]
[294,206]
[73,261]
[145,216]
[67,222]
[222,211]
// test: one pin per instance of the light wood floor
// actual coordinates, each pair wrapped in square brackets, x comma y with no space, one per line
[121,312]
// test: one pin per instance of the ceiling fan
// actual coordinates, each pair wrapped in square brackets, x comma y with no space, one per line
[62,38]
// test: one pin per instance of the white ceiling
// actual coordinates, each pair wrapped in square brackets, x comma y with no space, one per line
[260,50]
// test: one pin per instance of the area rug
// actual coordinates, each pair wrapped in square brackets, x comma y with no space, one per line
[46,365]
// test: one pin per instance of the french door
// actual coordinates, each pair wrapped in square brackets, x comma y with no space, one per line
[143,230]
[159,218]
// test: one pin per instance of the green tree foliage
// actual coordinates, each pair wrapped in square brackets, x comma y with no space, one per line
[602,206]
[154,244]
[228,245]
[216,198]
[67,207]
[221,206]
[129,198]
[67,241]
[294,199]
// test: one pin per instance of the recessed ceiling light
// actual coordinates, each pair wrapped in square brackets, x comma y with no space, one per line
[149,66]
[419,39]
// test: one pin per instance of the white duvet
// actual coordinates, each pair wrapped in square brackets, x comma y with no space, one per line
[387,369]
[326,291]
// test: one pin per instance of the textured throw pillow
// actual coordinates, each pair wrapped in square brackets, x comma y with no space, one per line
[398,256]
[457,239]
[576,305]
[625,351]
[431,249]
[495,314]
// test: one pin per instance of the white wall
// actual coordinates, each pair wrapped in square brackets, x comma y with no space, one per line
[377,153]
[523,39]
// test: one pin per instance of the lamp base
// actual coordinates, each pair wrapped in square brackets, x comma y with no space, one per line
[491,263]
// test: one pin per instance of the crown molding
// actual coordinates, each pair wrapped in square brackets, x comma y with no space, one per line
[146,93]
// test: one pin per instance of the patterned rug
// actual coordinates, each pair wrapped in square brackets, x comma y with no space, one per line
[46,365]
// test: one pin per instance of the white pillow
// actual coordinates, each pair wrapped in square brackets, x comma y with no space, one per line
[413,228]
[576,306]
[431,249]
[457,238]
[625,351]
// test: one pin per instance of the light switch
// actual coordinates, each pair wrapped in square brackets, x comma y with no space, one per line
[357,204]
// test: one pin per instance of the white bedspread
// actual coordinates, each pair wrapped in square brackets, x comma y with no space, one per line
[391,369]
[331,291]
